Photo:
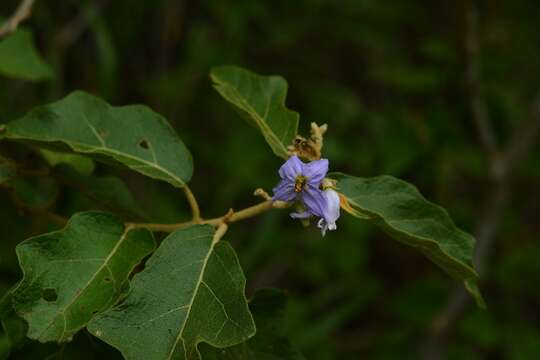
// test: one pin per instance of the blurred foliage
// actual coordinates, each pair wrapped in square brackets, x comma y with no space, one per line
[389,81]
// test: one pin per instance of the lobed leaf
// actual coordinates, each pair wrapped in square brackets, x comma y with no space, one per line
[261,99]
[400,210]
[191,291]
[72,274]
[133,136]
[19,58]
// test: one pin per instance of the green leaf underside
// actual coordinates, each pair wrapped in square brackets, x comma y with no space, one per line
[72,274]
[269,343]
[401,211]
[82,164]
[190,291]
[109,193]
[133,135]
[261,99]
[19,58]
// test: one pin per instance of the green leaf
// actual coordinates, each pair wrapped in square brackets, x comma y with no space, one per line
[269,343]
[261,99]
[82,164]
[107,192]
[72,274]
[401,211]
[134,135]
[19,58]
[191,291]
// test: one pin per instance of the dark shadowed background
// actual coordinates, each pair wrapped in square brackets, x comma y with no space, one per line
[442,94]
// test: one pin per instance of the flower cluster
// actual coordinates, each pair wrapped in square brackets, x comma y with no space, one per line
[305,184]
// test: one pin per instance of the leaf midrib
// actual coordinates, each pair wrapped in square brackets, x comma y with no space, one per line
[190,304]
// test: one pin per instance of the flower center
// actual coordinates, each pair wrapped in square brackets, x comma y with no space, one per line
[299,183]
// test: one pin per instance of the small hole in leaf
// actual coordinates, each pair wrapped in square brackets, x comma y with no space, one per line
[94,312]
[107,279]
[50,294]
[144,144]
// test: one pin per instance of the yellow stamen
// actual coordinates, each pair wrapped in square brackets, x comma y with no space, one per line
[299,183]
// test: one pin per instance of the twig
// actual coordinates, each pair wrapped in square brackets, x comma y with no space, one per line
[260,192]
[22,13]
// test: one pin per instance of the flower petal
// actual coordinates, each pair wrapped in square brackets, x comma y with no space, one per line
[315,171]
[331,211]
[323,226]
[314,200]
[291,169]
[284,191]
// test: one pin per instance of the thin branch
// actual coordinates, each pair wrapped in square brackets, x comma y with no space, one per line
[22,13]
[229,218]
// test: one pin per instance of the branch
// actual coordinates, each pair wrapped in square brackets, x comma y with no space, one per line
[22,13]
[229,218]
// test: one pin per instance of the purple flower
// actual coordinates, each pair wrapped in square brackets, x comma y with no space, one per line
[301,182]
[331,213]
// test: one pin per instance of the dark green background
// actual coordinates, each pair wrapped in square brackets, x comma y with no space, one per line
[389,79]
